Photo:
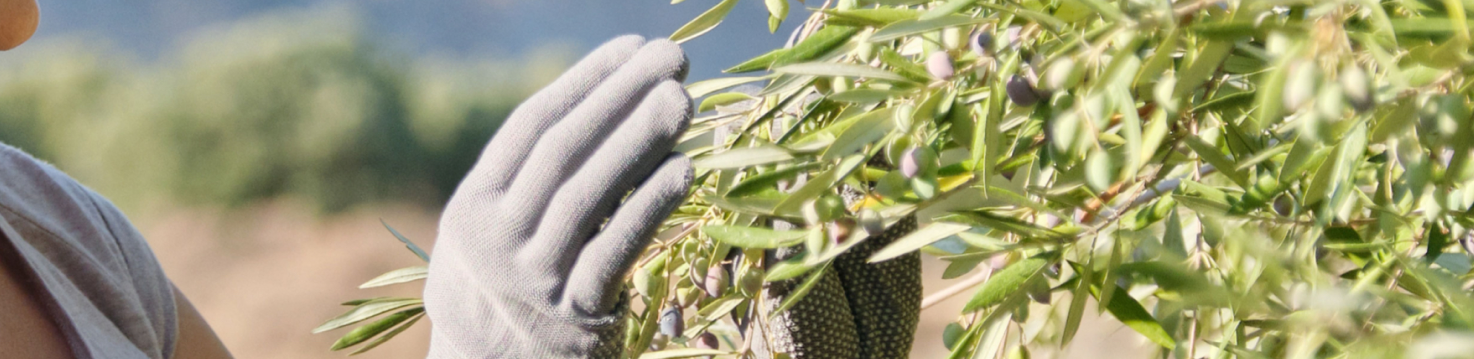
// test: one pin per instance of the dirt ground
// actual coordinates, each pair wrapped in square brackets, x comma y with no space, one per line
[265,276]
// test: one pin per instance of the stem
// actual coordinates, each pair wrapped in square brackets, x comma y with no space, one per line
[953,290]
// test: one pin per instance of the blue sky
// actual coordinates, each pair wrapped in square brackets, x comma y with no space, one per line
[493,28]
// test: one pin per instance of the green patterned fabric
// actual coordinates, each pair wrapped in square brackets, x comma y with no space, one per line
[857,310]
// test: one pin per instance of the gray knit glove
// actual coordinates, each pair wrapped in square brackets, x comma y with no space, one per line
[535,242]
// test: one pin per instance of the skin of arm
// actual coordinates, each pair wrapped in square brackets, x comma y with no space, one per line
[196,339]
[25,330]
[18,21]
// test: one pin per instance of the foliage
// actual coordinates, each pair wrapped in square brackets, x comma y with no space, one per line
[397,314]
[295,103]
[1231,178]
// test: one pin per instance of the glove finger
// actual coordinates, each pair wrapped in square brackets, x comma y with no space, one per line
[592,284]
[566,145]
[504,154]
[620,163]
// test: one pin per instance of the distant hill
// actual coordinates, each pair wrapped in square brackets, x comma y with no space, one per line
[491,28]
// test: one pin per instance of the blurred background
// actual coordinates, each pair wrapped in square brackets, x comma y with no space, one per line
[258,143]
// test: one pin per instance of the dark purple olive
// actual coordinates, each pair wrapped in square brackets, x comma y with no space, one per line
[707,341]
[1021,92]
[911,162]
[939,64]
[672,322]
[982,43]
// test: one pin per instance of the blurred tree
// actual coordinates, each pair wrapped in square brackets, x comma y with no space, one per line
[288,104]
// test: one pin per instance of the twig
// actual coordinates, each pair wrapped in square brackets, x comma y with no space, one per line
[949,292]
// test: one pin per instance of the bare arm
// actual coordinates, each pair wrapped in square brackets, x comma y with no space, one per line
[196,339]
[25,330]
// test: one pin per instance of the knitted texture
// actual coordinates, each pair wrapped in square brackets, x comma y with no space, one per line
[857,310]
[534,243]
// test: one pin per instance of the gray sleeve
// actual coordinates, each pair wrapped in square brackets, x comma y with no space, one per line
[102,279]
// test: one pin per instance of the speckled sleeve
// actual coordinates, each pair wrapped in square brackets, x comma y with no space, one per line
[857,310]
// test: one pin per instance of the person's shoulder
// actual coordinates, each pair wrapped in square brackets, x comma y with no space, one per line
[36,197]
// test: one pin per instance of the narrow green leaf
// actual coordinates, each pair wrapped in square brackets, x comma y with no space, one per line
[1202,67]
[824,69]
[1005,282]
[789,269]
[812,47]
[948,8]
[905,28]
[903,66]
[1106,10]
[865,95]
[397,276]
[704,22]
[407,243]
[1002,223]
[765,181]
[761,62]
[759,205]
[869,128]
[707,87]
[1130,312]
[1422,27]
[1226,166]
[870,17]
[1050,22]
[1111,275]
[1077,303]
[1333,170]
[1159,62]
[917,239]
[819,184]
[744,157]
[360,334]
[951,334]
[390,335]
[722,99]
[1437,240]
[1395,120]
[1228,30]
[721,306]
[683,353]
[817,44]
[363,312]
[1266,154]
[1301,153]
[958,267]
[994,337]
[358,302]
[753,237]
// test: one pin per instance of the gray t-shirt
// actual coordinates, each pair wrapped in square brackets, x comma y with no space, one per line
[104,288]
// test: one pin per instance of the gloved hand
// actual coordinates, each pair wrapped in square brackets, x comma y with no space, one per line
[535,242]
